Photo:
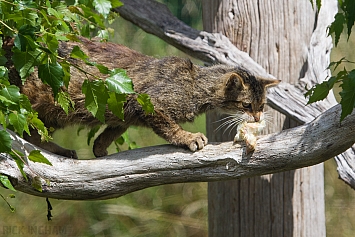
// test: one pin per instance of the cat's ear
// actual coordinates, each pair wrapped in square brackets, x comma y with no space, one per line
[235,81]
[269,82]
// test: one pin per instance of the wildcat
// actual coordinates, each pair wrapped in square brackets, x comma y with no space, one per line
[179,91]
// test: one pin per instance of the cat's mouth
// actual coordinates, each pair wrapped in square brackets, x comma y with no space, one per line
[231,121]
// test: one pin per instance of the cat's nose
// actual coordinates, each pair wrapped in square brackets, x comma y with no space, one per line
[256,118]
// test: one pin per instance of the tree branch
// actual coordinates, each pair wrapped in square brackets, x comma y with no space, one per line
[125,172]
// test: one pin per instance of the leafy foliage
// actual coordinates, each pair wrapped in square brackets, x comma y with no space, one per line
[345,18]
[37,27]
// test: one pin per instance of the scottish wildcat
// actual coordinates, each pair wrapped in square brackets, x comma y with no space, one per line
[179,91]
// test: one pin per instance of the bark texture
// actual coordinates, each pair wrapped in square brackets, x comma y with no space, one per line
[119,174]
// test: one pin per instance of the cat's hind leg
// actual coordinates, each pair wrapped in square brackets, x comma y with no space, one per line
[104,140]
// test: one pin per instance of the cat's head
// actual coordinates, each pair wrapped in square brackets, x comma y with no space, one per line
[245,94]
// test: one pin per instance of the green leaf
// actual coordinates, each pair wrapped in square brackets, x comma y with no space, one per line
[78,54]
[347,95]
[65,102]
[96,96]
[36,183]
[51,42]
[91,133]
[4,72]
[6,182]
[25,38]
[25,61]
[19,162]
[119,82]
[116,3]
[36,123]
[103,69]
[115,104]
[318,92]
[3,120]
[36,156]
[53,75]
[102,6]
[337,27]
[19,122]
[5,141]
[6,101]
[66,71]
[11,93]
[349,9]
[144,101]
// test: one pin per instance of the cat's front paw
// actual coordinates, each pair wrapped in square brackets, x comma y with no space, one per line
[196,141]
[67,153]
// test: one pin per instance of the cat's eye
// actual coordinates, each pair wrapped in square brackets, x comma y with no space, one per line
[262,107]
[246,105]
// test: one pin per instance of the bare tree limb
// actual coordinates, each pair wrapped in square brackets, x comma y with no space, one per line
[216,48]
[125,172]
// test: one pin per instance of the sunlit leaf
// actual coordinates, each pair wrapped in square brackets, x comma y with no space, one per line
[6,182]
[36,156]
[11,93]
[19,122]
[119,82]
[144,101]
[65,102]
[102,6]
[115,104]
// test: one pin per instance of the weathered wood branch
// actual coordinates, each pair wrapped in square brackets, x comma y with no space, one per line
[215,48]
[125,172]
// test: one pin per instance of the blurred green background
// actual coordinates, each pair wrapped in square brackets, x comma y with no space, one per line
[169,210]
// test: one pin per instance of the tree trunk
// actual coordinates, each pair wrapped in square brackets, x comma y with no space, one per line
[275,34]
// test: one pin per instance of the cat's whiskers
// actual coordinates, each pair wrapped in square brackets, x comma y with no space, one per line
[230,122]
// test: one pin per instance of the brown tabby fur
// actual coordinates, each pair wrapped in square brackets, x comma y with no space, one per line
[178,89]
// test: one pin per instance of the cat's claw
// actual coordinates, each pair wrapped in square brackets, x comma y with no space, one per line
[197,141]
